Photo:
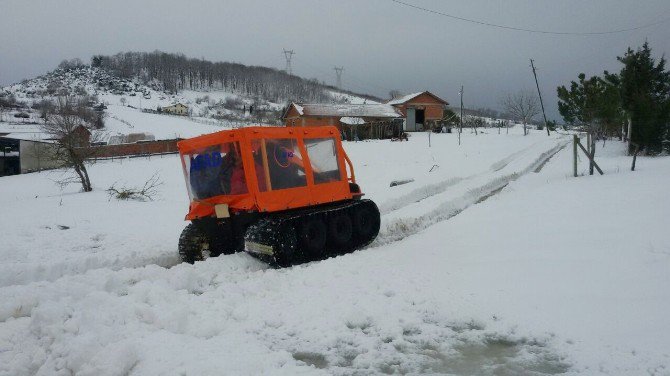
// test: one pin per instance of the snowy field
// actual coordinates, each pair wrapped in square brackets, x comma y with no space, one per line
[126,120]
[494,260]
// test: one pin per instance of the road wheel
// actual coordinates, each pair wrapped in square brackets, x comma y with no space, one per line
[366,223]
[313,236]
[193,245]
[340,230]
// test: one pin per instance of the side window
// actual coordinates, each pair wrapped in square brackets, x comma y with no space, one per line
[215,170]
[278,164]
[322,154]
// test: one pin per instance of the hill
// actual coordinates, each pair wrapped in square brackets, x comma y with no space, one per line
[133,86]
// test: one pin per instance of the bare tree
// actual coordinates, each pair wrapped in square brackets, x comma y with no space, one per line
[7,102]
[473,122]
[44,107]
[70,125]
[173,72]
[523,106]
[70,64]
[395,94]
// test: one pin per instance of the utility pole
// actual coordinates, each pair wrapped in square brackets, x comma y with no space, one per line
[460,125]
[338,72]
[540,94]
[288,55]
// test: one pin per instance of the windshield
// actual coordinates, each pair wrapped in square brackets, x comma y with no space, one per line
[214,171]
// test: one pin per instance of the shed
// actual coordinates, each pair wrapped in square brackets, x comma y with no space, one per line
[419,109]
[22,152]
[318,114]
[374,120]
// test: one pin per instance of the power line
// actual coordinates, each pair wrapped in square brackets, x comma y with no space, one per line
[352,83]
[530,30]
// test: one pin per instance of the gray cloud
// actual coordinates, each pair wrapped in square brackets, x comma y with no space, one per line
[381,44]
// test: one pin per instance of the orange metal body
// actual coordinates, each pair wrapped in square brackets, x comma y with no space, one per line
[266,199]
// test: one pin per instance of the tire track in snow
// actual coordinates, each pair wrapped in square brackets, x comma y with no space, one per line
[434,189]
[32,274]
[400,228]
[19,300]
[507,160]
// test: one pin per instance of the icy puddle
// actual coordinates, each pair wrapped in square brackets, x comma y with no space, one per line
[460,349]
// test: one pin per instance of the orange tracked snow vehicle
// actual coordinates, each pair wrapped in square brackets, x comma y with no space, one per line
[285,195]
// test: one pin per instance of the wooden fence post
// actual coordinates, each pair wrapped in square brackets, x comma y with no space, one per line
[592,150]
[575,140]
[588,155]
[637,150]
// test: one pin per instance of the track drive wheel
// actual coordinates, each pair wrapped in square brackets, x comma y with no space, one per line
[366,223]
[340,230]
[313,236]
[193,245]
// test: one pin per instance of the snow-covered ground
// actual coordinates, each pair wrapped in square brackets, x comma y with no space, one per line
[494,260]
[126,120]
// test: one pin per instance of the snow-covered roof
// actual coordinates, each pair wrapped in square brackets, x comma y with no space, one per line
[178,104]
[404,99]
[348,110]
[299,108]
[29,136]
[352,120]
[408,97]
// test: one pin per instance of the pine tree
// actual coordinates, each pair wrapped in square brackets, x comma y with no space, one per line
[645,91]
[593,103]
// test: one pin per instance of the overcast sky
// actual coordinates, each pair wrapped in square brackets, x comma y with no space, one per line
[381,44]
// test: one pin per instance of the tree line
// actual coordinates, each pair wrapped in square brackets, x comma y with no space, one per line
[633,103]
[173,72]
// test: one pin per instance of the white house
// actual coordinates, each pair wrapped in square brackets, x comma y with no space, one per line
[176,109]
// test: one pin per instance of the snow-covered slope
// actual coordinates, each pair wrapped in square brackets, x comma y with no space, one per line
[490,262]
[209,111]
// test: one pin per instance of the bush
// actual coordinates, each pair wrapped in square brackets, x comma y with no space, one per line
[147,192]
[233,103]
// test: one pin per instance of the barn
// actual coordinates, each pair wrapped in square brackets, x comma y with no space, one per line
[419,109]
[21,153]
[409,113]
[353,120]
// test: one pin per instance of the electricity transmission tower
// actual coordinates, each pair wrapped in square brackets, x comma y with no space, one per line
[338,72]
[288,55]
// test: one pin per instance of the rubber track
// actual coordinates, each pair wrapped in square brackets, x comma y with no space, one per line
[280,232]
